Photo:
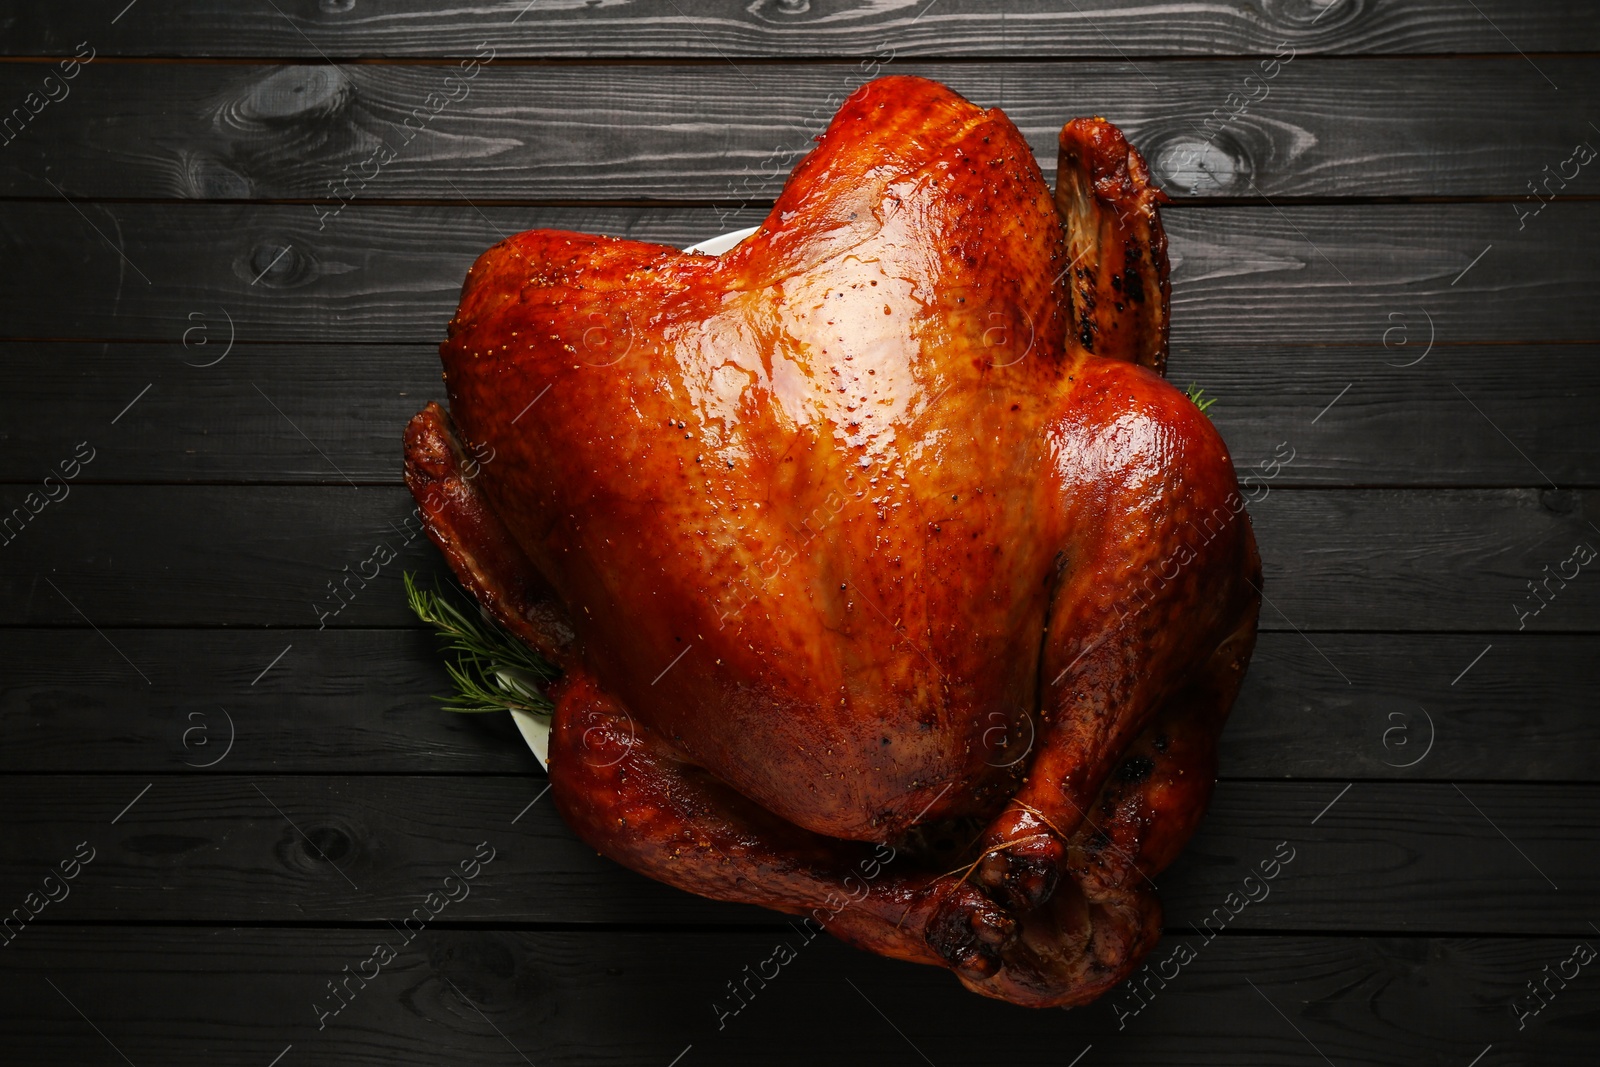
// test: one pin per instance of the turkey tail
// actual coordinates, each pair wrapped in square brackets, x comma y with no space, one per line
[1119,284]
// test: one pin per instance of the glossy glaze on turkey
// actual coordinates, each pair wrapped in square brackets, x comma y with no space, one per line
[880,529]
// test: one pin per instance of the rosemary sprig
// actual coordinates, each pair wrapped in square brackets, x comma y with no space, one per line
[1195,394]
[491,669]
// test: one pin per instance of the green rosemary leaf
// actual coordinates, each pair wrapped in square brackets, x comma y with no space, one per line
[1195,395]
[492,670]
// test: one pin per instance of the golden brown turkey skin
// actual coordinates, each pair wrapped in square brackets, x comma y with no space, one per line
[844,545]
[1121,292]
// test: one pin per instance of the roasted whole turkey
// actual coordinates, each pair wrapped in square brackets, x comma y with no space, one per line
[890,583]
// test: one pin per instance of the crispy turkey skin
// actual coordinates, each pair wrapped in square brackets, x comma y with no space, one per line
[879,531]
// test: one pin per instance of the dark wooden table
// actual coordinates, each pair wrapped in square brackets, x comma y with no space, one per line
[229,243]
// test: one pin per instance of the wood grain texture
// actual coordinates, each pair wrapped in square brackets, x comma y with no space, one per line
[491,996]
[360,701]
[280,272]
[1396,425]
[717,29]
[389,273]
[340,701]
[1386,560]
[1334,128]
[1402,413]
[200,542]
[217,555]
[216,422]
[1386,856]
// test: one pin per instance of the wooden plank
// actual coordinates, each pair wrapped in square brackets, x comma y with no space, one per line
[1368,559]
[216,555]
[1418,706]
[1394,413]
[1335,128]
[208,415]
[185,996]
[1396,425]
[344,701]
[1382,856]
[1448,560]
[279,272]
[355,701]
[719,29]
[390,273]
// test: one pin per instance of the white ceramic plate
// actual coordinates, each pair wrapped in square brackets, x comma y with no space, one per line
[535,729]
[715,246]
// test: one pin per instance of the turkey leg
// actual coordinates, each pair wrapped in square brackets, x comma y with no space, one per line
[1147,651]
